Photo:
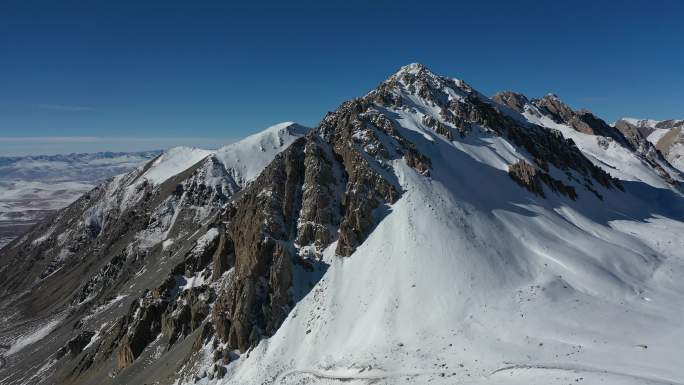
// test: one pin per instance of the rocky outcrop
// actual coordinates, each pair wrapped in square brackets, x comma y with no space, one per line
[264,219]
[319,216]
[223,257]
[624,133]
[533,180]
[513,100]
[349,129]
[141,326]
[581,120]
[187,313]
[75,345]
[166,309]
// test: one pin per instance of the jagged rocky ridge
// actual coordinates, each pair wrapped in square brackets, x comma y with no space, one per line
[558,114]
[666,136]
[232,253]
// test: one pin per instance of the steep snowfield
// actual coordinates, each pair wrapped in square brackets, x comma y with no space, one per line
[246,158]
[470,279]
[174,161]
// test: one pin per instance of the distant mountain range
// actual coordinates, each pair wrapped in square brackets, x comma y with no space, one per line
[422,233]
[32,187]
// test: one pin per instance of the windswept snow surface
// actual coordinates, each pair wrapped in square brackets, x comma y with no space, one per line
[33,336]
[247,158]
[471,279]
[174,161]
[244,160]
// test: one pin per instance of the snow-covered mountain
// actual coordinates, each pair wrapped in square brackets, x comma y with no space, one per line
[422,233]
[666,135]
[32,187]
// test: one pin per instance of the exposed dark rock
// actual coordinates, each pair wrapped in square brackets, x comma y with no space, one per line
[533,179]
[224,255]
[319,216]
[75,345]
[514,100]
[141,326]
[187,313]
[581,120]
[265,215]
[206,333]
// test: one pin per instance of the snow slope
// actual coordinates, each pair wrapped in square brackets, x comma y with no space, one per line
[174,161]
[471,279]
[246,158]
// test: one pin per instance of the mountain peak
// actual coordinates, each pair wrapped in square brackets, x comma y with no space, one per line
[413,68]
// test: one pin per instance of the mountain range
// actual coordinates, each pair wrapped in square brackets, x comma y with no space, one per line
[421,233]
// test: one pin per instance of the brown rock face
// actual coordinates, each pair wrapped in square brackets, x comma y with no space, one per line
[581,120]
[365,189]
[533,179]
[224,255]
[319,216]
[140,327]
[264,220]
[513,100]
[186,313]
[324,187]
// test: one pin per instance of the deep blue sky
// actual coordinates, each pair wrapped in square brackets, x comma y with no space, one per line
[205,72]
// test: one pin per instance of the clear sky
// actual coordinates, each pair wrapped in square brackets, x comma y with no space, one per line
[119,74]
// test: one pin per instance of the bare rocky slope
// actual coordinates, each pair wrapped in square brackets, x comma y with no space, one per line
[250,263]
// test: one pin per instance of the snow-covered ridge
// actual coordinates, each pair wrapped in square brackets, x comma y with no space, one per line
[174,161]
[666,135]
[248,157]
[642,122]
[244,159]
[617,160]
[623,153]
